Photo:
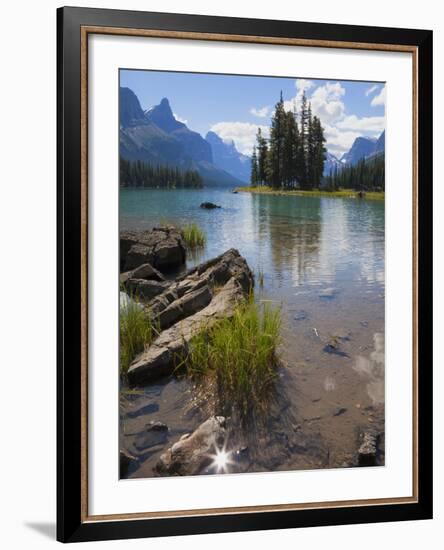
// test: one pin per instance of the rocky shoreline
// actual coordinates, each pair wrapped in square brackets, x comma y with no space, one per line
[181,307]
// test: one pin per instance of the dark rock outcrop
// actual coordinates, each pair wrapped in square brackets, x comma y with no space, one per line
[368,449]
[144,281]
[193,453]
[187,306]
[162,247]
[190,303]
[209,205]
[146,290]
[145,271]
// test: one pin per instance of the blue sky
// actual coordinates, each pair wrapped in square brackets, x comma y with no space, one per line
[236,106]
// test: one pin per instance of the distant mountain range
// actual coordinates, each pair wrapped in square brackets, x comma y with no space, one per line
[331,164]
[363,147]
[227,157]
[156,137]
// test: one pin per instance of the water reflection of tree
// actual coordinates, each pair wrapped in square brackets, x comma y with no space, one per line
[293,228]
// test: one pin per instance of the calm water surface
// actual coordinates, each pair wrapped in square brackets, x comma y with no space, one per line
[323,260]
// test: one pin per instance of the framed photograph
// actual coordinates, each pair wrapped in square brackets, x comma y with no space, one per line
[244,274]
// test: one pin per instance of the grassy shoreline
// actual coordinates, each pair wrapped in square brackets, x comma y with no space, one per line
[343,193]
[239,353]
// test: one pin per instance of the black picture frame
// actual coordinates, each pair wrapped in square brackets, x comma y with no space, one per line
[71,524]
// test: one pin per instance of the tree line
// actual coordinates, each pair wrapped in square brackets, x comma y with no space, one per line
[294,154]
[141,174]
[366,175]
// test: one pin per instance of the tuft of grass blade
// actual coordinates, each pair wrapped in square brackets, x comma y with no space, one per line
[194,236]
[240,353]
[136,332]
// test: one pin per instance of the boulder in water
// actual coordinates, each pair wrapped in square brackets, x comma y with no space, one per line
[161,247]
[193,454]
[209,205]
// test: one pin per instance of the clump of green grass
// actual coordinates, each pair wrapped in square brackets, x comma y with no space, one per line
[240,354]
[136,332]
[194,236]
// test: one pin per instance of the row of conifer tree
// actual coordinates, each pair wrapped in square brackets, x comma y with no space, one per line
[366,175]
[141,174]
[294,154]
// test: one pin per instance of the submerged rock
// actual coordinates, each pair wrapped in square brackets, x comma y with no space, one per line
[192,454]
[162,247]
[155,433]
[300,315]
[328,293]
[126,460]
[209,205]
[334,346]
[149,408]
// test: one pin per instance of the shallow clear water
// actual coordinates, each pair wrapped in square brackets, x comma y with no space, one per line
[322,259]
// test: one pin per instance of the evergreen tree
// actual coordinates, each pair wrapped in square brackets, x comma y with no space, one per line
[310,147]
[295,153]
[262,154]
[366,175]
[276,147]
[290,148]
[304,125]
[254,178]
[318,152]
[141,174]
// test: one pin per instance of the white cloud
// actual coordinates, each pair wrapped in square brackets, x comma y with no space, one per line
[326,102]
[261,112]
[371,124]
[339,141]
[302,84]
[242,133]
[379,99]
[371,90]
[180,119]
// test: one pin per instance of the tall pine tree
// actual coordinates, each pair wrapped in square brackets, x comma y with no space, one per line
[262,154]
[276,145]
[254,179]
[294,155]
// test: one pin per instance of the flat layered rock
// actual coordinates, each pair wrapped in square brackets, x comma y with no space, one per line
[190,303]
[187,306]
[145,290]
[168,349]
[194,453]
[145,271]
